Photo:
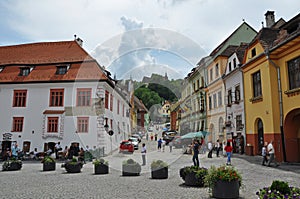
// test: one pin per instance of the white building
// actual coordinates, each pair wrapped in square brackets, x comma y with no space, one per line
[56,92]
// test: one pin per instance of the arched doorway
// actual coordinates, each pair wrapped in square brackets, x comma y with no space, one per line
[292,136]
[260,135]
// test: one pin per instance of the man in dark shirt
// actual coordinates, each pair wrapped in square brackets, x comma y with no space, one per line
[196,153]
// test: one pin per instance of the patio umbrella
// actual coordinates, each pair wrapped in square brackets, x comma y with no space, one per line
[195,134]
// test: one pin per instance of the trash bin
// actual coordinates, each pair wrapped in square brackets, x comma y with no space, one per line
[249,150]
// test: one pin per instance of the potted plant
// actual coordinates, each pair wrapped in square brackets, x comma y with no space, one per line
[159,169]
[73,166]
[224,181]
[131,168]
[12,165]
[193,175]
[48,163]
[279,189]
[100,166]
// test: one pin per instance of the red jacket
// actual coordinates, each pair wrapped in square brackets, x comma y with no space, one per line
[228,149]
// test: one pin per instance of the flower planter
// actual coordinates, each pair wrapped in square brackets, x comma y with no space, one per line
[101,169]
[73,168]
[13,166]
[191,180]
[131,170]
[225,189]
[161,173]
[49,166]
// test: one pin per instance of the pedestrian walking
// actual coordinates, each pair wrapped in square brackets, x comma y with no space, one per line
[195,148]
[264,154]
[57,148]
[163,143]
[210,150]
[271,152]
[144,150]
[159,144]
[218,147]
[228,149]
[170,146]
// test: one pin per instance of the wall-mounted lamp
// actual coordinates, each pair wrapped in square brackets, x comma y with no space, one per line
[106,126]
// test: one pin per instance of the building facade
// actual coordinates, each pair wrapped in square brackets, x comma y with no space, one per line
[56,92]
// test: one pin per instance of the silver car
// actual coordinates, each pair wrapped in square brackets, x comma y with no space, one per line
[135,142]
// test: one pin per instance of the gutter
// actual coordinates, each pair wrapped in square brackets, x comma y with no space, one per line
[267,54]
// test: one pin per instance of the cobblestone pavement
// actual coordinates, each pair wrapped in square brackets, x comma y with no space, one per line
[31,182]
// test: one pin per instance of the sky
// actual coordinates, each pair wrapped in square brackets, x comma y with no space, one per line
[133,38]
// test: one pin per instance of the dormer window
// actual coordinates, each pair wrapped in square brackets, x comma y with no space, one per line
[61,70]
[24,71]
[253,52]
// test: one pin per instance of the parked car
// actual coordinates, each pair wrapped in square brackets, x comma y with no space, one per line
[135,142]
[137,136]
[126,146]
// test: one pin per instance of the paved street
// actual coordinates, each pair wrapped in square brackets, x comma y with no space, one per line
[31,182]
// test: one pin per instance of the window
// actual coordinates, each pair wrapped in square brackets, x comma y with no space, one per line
[118,107]
[123,111]
[24,71]
[19,98]
[220,98]
[111,102]
[234,63]
[106,99]
[52,124]
[56,97]
[294,73]
[239,125]
[229,97]
[82,124]
[211,74]
[253,52]
[215,100]
[237,93]
[221,125]
[229,66]
[209,102]
[194,86]
[256,84]
[1,68]
[18,124]
[61,70]
[198,84]
[217,70]
[84,96]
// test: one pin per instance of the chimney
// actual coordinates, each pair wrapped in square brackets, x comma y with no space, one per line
[78,40]
[270,18]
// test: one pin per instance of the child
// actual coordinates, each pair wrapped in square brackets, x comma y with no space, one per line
[228,149]
[264,154]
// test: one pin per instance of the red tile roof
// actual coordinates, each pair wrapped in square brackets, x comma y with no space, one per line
[45,57]
[43,53]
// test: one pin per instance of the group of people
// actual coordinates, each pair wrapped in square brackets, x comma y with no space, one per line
[13,152]
[268,150]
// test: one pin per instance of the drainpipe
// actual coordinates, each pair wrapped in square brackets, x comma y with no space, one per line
[267,53]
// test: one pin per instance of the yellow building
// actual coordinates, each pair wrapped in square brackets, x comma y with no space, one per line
[272,87]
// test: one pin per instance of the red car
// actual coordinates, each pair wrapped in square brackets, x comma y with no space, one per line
[126,146]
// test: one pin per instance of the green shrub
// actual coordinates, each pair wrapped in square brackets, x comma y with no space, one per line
[158,164]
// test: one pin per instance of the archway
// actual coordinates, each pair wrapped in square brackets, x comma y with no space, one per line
[260,135]
[292,135]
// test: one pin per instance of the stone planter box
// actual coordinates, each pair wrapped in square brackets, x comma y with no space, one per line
[73,168]
[13,166]
[49,166]
[131,170]
[101,169]
[224,189]
[161,173]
